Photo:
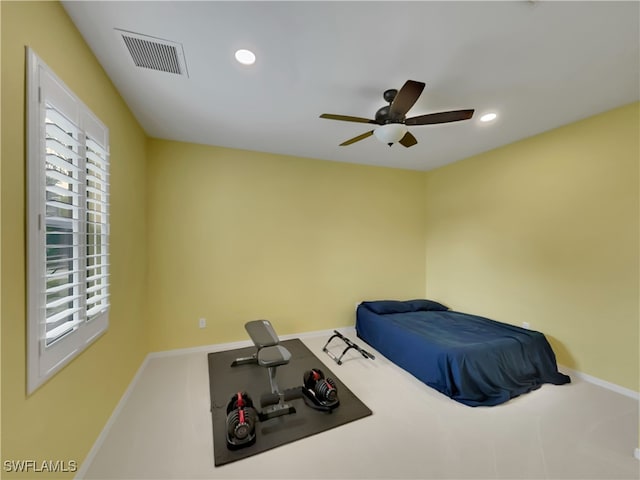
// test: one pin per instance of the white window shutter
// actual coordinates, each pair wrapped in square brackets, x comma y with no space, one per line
[68,224]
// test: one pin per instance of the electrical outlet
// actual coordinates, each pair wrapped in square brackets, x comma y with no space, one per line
[202,322]
[526,325]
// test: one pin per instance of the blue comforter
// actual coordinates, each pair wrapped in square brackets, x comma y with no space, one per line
[473,360]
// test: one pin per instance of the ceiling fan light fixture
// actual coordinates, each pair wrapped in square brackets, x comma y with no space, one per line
[390,133]
[245,57]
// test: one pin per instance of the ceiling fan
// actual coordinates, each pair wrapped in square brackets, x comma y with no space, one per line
[392,119]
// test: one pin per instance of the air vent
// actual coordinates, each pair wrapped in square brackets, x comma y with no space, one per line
[155,53]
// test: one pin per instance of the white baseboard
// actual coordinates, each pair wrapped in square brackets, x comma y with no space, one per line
[627,392]
[84,466]
[219,347]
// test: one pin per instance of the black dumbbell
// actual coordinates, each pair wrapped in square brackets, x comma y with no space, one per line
[324,389]
[241,421]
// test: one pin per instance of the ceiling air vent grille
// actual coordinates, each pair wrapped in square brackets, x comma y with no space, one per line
[155,53]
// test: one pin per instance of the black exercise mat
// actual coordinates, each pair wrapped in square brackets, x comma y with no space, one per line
[225,381]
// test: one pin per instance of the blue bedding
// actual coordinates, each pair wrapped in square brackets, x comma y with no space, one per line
[473,360]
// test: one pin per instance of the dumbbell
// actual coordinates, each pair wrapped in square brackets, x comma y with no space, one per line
[241,421]
[324,389]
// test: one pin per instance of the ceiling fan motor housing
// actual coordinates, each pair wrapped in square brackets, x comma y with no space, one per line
[383,114]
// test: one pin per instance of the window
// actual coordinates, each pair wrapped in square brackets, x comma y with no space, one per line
[68,224]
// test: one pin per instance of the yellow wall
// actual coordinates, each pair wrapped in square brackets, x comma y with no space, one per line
[0,240]
[237,235]
[61,420]
[546,231]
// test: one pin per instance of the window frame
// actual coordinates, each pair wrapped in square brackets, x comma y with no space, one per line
[45,360]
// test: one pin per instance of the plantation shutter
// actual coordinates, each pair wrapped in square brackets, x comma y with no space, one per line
[64,244]
[68,224]
[97,228]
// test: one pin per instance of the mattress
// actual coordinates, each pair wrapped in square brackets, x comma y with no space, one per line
[471,359]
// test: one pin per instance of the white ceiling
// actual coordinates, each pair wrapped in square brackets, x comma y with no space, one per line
[538,65]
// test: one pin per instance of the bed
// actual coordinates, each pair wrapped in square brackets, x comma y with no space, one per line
[473,360]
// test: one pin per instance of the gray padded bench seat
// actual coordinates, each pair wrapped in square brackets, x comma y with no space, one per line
[273,356]
[262,335]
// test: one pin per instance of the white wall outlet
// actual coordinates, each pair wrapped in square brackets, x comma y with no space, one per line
[526,325]
[202,322]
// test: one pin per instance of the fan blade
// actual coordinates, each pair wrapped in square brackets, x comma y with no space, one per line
[408,140]
[442,117]
[405,98]
[356,139]
[346,118]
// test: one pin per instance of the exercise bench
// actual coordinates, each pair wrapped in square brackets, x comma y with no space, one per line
[270,355]
[263,335]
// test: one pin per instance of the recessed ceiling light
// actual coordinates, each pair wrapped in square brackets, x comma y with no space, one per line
[487,117]
[245,57]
